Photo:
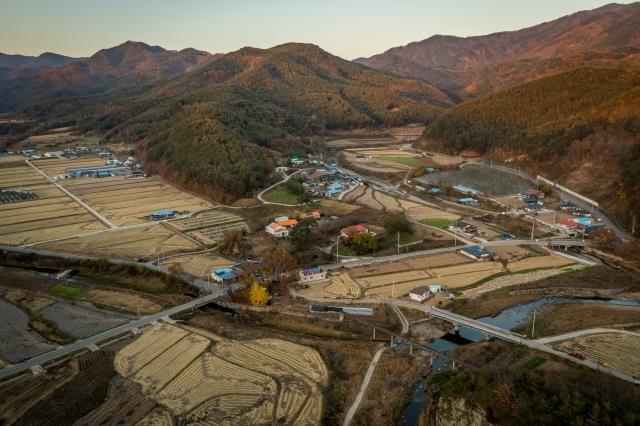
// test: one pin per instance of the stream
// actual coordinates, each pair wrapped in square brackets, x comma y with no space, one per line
[508,319]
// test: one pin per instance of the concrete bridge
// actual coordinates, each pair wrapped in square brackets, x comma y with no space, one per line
[488,329]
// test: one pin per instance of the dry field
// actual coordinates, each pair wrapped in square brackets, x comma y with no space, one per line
[337,208]
[339,285]
[551,261]
[512,253]
[199,265]
[129,201]
[617,350]
[142,242]
[52,215]
[57,137]
[125,301]
[265,381]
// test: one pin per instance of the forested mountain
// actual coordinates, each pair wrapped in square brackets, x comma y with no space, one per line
[211,129]
[131,63]
[581,127]
[477,65]
[45,60]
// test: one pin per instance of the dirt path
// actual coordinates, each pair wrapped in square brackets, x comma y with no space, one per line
[363,387]
[571,335]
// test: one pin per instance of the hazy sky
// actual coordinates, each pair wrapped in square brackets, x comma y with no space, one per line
[346,28]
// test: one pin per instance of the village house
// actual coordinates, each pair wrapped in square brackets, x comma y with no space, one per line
[420,294]
[348,232]
[277,230]
[310,215]
[476,252]
[308,275]
[225,274]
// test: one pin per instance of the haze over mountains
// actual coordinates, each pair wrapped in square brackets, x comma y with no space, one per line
[562,92]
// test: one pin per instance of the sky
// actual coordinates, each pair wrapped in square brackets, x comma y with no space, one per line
[347,28]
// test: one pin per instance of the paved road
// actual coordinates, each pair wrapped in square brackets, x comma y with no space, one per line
[363,387]
[98,216]
[370,261]
[264,191]
[78,345]
[566,336]
[489,329]
[203,285]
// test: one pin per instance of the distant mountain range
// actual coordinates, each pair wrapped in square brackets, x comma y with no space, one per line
[131,63]
[471,66]
[45,60]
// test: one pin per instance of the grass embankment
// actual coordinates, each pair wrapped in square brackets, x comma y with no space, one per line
[438,223]
[402,159]
[66,290]
[281,195]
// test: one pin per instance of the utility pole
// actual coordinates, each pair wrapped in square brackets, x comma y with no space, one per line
[398,241]
[633,225]
[533,326]
[533,226]
[393,290]
[338,250]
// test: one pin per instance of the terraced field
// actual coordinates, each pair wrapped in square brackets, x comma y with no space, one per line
[265,381]
[209,227]
[51,215]
[79,320]
[616,350]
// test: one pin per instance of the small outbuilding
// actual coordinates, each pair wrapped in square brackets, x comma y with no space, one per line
[420,294]
[163,214]
[225,274]
[476,252]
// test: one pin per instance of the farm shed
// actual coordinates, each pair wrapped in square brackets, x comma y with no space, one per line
[420,294]
[163,214]
[476,252]
[96,171]
[467,200]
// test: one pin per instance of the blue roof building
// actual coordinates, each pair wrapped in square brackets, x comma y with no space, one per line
[224,274]
[466,190]
[466,201]
[435,190]
[475,252]
[163,213]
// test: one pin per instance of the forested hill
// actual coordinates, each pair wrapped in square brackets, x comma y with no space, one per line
[581,127]
[207,129]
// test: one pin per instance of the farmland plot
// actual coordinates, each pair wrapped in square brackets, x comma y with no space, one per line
[484,179]
[17,341]
[52,215]
[142,242]
[265,381]
[199,265]
[551,261]
[129,201]
[617,350]
[79,320]
[209,226]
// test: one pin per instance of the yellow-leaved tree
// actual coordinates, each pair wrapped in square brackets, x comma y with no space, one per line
[258,295]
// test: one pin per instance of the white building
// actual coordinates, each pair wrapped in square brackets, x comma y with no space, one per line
[312,274]
[277,230]
[420,294]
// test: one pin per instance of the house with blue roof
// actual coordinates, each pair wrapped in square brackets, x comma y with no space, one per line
[163,214]
[225,274]
[468,200]
[476,252]
[312,273]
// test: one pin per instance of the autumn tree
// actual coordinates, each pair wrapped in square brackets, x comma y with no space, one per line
[257,295]
[232,240]
[176,268]
[363,243]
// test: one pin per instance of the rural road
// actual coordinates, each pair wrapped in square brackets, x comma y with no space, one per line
[390,258]
[63,351]
[97,215]
[363,387]
[264,191]
[401,317]
[545,340]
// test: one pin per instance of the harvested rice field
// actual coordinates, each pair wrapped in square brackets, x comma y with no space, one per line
[209,227]
[615,350]
[550,261]
[52,214]
[141,242]
[378,200]
[130,201]
[264,381]
[199,265]
[55,167]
